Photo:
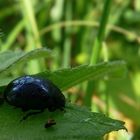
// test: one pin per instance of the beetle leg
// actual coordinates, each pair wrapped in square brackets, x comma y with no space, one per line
[51,109]
[62,109]
[1,100]
[30,114]
[24,109]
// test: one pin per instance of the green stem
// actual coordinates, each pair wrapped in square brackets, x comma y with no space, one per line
[97,48]
[101,33]
[13,35]
[31,23]
[33,36]
[67,42]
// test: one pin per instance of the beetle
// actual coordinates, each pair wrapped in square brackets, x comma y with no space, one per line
[34,93]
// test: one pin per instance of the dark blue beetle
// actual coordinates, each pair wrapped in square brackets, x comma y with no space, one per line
[34,93]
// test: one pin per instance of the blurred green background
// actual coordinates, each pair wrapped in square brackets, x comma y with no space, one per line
[69,29]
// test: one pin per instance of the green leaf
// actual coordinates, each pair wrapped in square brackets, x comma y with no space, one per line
[10,59]
[74,123]
[66,78]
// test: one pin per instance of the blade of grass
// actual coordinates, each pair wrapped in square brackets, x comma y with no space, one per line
[101,33]
[33,36]
[67,41]
[85,23]
[97,48]
[58,35]
[12,36]
[29,15]
[7,11]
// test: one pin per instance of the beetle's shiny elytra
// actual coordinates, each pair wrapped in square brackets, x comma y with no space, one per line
[31,92]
